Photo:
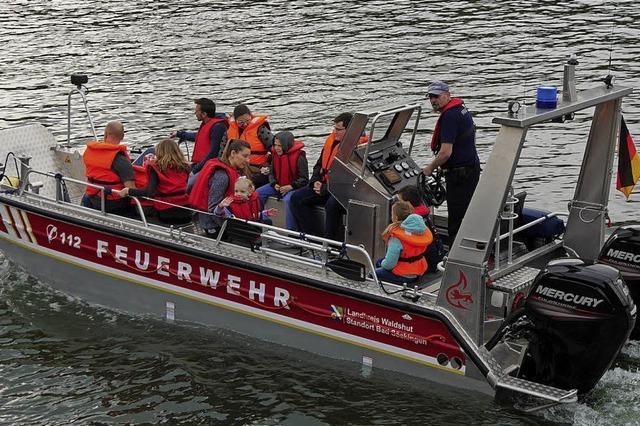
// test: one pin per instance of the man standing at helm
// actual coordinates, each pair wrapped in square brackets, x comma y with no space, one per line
[454,147]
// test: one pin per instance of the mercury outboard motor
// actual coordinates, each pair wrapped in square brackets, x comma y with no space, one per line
[578,318]
[622,251]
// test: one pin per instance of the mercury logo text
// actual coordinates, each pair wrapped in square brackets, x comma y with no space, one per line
[568,297]
[624,255]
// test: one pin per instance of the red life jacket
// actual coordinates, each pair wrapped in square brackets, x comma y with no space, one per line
[247,209]
[141,179]
[259,153]
[435,139]
[202,145]
[199,196]
[98,159]
[171,188]
[422,210]
[411,261]
[285,166]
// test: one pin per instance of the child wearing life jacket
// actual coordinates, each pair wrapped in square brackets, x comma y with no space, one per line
[407,238]
[289,172]
[245,204]
[435,253]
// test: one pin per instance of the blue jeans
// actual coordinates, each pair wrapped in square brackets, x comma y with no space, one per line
[266,191]
[385,275]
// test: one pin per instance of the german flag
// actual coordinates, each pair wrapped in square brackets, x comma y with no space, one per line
[628,162]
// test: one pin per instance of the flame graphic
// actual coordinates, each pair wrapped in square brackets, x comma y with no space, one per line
[456,296]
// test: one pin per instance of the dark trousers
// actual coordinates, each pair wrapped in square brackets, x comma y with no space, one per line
[461,183]
[302,202]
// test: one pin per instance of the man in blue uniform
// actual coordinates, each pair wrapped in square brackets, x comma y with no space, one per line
[454,147]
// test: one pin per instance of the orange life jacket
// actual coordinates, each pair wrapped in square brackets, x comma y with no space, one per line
[285,166]
[411,261]
[202,145]
[247,209]
[199,196]
[329,151]
[98,158]
[259,154]
[171,188]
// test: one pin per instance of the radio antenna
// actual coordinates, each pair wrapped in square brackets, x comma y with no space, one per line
[608,80]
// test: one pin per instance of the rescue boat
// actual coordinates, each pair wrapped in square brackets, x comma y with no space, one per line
[524,306]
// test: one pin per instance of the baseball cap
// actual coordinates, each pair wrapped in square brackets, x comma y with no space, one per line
[437,87]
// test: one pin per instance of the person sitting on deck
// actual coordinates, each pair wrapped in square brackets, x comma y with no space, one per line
[289,172]
[407,238]
[255,129]
[217,180]
[316,193]
[435,253]
[208,138]
[107,164]
[167,178]
[245,204]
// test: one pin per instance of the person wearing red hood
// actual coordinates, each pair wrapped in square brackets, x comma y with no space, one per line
[289,172]
[454,147]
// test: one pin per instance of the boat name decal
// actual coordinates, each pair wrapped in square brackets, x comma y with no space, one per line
[568,297]
[184,271]
[456,296]
[624,255]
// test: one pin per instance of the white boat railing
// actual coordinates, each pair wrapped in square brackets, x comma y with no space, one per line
[327,249]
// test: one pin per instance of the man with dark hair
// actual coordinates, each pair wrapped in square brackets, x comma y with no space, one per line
[303,199]
[255,129]
[454,147]
[208,137]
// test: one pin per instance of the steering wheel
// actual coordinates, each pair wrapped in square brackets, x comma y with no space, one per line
[432,188]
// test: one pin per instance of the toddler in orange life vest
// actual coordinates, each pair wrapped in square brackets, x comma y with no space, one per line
[245,204]
[407,238]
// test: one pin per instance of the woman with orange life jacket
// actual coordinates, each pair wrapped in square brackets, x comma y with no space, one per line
[167,176]
[245,204]
[289,172]
[217,180]
[255,129]
[107,164]
[407,238]
[316,193]
[208,138]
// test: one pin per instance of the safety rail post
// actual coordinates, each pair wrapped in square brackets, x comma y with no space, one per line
[140,211]
[81,90]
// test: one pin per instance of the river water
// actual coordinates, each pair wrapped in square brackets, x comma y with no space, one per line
[302,62]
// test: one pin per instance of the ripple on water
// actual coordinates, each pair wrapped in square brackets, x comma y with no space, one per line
[303,63]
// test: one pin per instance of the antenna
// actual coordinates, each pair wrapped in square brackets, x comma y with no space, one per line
[608,80]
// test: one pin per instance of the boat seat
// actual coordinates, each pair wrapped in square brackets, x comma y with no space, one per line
[279,219]
[241,233]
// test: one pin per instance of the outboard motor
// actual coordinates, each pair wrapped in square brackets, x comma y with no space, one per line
[578,318]
[622,251]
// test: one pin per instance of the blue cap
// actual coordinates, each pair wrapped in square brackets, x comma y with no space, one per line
[437,87]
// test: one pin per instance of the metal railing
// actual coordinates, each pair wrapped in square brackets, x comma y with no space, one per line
[373,127]
[325,247]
